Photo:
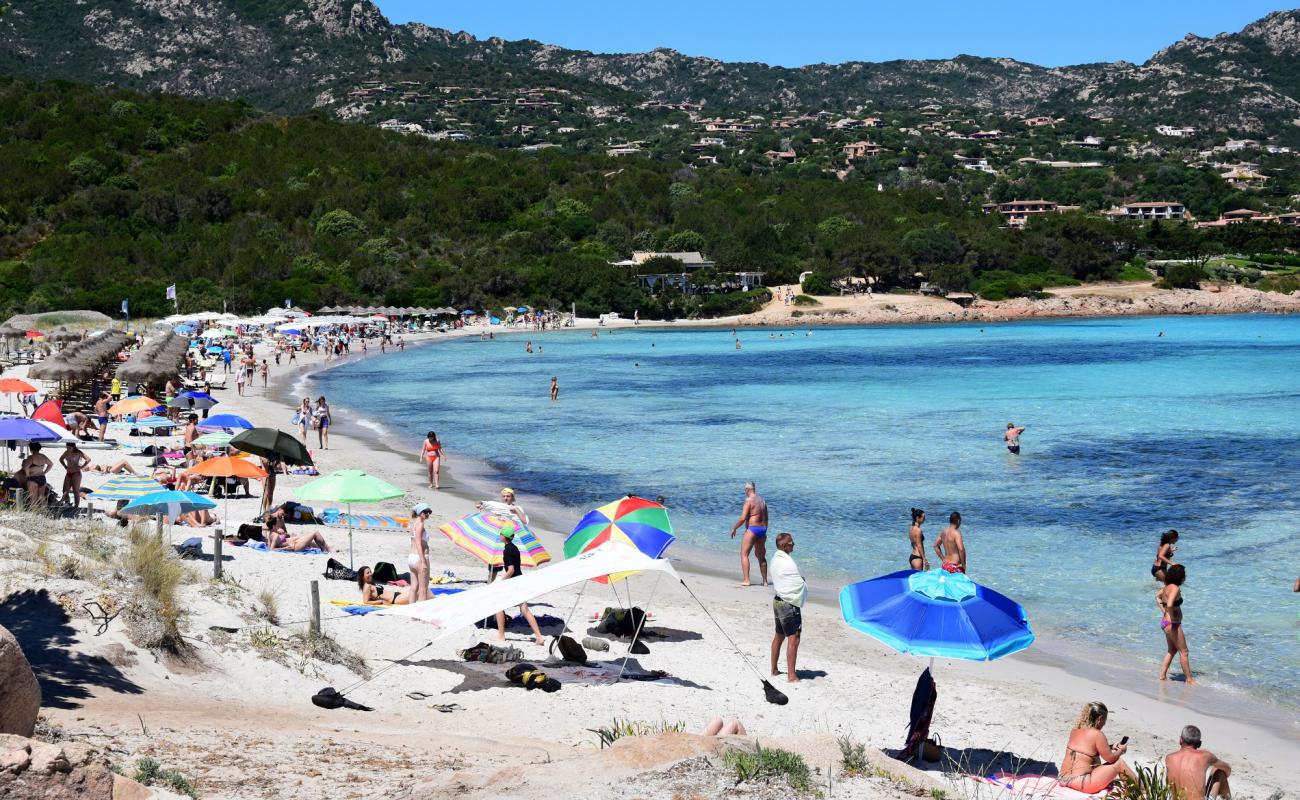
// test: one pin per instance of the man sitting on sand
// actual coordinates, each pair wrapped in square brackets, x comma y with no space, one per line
[1195,773]
[753,517]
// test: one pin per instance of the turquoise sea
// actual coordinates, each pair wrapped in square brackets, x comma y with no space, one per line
[1129,433]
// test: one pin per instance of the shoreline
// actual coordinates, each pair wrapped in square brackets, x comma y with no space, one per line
[502,742]
[1117,670]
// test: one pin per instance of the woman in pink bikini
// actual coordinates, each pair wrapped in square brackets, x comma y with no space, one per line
[1170,601]
[431,454]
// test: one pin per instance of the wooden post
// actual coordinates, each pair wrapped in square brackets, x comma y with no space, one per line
[217,540]
[158,524]
[315,608]
[20,499]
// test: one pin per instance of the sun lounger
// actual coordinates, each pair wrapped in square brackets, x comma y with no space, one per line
[335,518]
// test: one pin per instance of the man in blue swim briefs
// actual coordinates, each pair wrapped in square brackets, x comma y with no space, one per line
[753,518]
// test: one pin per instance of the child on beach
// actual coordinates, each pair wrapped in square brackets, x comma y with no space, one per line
[511,566]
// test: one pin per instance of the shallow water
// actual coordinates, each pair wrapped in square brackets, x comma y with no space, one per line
[1129,434]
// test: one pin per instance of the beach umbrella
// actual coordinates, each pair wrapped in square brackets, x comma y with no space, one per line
[219,421]
[50,411]
[936,614]
[634,521]
[349,486]
[215,438]
[58,430]
[469,312]
[15,386]
[33,334]
[480,536]
[274,444]
[226,467]
[126,487]
[168,502]
[21,429]
[133,405]
[193,400]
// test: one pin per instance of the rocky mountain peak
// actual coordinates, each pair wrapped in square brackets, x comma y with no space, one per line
[1280,31]
[337,18]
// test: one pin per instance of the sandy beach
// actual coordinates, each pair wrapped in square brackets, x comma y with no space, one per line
[1089,300]
[235,714]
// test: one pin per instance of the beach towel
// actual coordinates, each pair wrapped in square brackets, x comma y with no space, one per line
[310,551]
[594,673]
[1033,785]
[338,519]
[543,620]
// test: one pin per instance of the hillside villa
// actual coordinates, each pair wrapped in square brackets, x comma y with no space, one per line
[1145,212]
[862,150]
[690,263]
[1018,212]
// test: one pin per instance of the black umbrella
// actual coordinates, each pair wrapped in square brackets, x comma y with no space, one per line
[271,443]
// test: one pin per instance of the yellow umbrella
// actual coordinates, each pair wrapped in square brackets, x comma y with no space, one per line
[133,405]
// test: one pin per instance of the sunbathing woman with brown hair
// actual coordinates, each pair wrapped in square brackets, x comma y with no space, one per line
[372,592]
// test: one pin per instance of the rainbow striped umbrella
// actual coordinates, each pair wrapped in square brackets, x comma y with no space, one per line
[127,487]
[634,521]
[480,535]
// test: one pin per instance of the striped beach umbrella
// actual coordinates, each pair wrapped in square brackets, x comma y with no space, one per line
[127,487]
[634,521]
[480,536]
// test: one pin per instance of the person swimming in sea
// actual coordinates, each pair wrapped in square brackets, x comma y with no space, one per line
[916,537]
[753,517]
[1012,438]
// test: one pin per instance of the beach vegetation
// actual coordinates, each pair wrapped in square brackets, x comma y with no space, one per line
[608,734]
[154,614]
[1134,271]
[853,757]
[817,284]
[268,606]
[1150,783]
[767,764]
[806,300]
[150,773]
[1182,276]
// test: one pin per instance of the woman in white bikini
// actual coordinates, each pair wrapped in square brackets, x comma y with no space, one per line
[418,560]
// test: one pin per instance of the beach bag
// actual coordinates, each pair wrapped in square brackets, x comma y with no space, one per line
[295,419]
[336,571]
[190,548]
[530,677]
[384,572]
[932,749]
[623,622]
[570,650]
[254,532]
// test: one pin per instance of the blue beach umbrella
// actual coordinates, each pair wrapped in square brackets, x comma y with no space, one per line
[224,421]
[21,429]
[469,312]
[937,614]
[214,350]
[193,400]
[169,502]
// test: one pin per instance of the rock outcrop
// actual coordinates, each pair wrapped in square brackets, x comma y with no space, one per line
[67,771]
[20,694]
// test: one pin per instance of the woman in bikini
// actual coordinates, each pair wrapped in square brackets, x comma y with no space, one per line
[1164,554]
[917,538]
[278,538]
[1090,764]
[431,453]
[303,417]
[1170,601]
[372,592]
[418,559]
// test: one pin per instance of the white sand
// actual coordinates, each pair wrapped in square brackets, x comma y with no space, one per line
[244,727]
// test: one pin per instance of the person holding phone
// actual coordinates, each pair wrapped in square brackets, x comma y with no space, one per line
[1090,764]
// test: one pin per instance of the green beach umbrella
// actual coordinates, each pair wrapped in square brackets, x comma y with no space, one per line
[216,438]
[349,486]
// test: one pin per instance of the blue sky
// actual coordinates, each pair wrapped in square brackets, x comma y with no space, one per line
[1048,32]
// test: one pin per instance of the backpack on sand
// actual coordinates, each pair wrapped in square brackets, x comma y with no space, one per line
[570,650]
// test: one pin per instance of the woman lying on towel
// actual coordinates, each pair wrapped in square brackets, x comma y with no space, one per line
[278,538]
[1090,764]
[372,592]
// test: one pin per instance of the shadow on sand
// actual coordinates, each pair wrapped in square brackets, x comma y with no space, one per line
[42,629]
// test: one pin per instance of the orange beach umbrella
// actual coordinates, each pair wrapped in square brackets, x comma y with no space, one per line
[133,405]
[227,467]
[15,386]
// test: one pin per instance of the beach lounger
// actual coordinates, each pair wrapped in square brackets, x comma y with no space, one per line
[335,518]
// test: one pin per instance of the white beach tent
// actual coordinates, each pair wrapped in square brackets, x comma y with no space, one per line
[453,612]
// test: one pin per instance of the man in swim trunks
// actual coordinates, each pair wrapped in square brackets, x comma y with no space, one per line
[753,517]
[1195,773]
[950,547]
[1012,438]
[101,414]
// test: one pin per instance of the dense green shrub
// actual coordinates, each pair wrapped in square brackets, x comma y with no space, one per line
[1182,276]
